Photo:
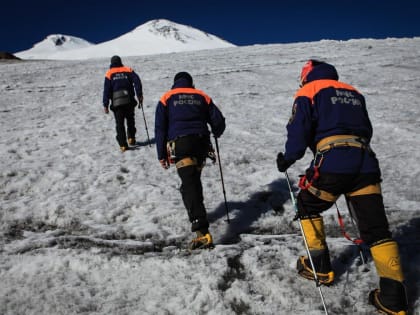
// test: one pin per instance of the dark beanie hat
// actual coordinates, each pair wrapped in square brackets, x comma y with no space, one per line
[185,76]
[116,61]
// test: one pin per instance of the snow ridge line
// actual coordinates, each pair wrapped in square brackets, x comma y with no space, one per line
[128,246]
[117,247]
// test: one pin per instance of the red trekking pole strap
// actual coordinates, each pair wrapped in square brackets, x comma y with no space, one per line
[304,183]
[357,241]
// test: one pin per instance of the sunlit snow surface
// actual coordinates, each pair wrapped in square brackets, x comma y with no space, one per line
[85,229]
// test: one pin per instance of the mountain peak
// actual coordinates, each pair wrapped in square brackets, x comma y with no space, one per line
[166,29]
[52,44]
[64,41]
[58,40]
[153,37]
[179,32]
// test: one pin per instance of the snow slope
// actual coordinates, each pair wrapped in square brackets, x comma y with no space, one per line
[153,37]
[85,229]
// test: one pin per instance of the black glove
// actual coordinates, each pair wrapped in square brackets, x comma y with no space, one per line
[282,163]
[211,154]
[140,101]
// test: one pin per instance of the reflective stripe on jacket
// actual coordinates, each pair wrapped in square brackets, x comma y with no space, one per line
[121,78]
[185,111]
[326,107]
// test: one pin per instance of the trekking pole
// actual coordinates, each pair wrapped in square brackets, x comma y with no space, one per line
[221,177]
[317,283]
[145,124]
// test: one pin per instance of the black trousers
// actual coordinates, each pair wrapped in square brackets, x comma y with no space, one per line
[124,114]
[368,209]
[195,147]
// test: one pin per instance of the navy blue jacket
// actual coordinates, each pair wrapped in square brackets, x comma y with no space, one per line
[183,111]
[326,107]
[119,77]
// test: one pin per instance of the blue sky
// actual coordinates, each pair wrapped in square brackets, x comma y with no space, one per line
[246,22]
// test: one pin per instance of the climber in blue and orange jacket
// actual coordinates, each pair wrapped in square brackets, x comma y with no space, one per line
[330,118]
[120,87]
[183,137]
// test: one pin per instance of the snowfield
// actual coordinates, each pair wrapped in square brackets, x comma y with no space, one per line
[85,229]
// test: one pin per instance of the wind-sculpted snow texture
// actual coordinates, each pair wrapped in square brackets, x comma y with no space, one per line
[85,229]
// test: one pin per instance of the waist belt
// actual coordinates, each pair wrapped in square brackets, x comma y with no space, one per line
[331,142]
[322,147]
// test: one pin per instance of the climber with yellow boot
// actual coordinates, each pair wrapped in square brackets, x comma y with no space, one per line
[182,120]
[330,118]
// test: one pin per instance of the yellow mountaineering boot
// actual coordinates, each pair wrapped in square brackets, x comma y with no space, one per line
[315,236]
[305,270]
[391,297]
[202,241]
[131,141]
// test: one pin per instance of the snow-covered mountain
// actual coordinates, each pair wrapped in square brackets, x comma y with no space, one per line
[86,229]
[154,37]
[54,44]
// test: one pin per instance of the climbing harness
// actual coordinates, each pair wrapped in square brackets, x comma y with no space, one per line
[323,147]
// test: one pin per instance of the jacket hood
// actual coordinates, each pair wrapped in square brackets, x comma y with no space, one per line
[182,83]
[116,62]
[183,79]
[321,72]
